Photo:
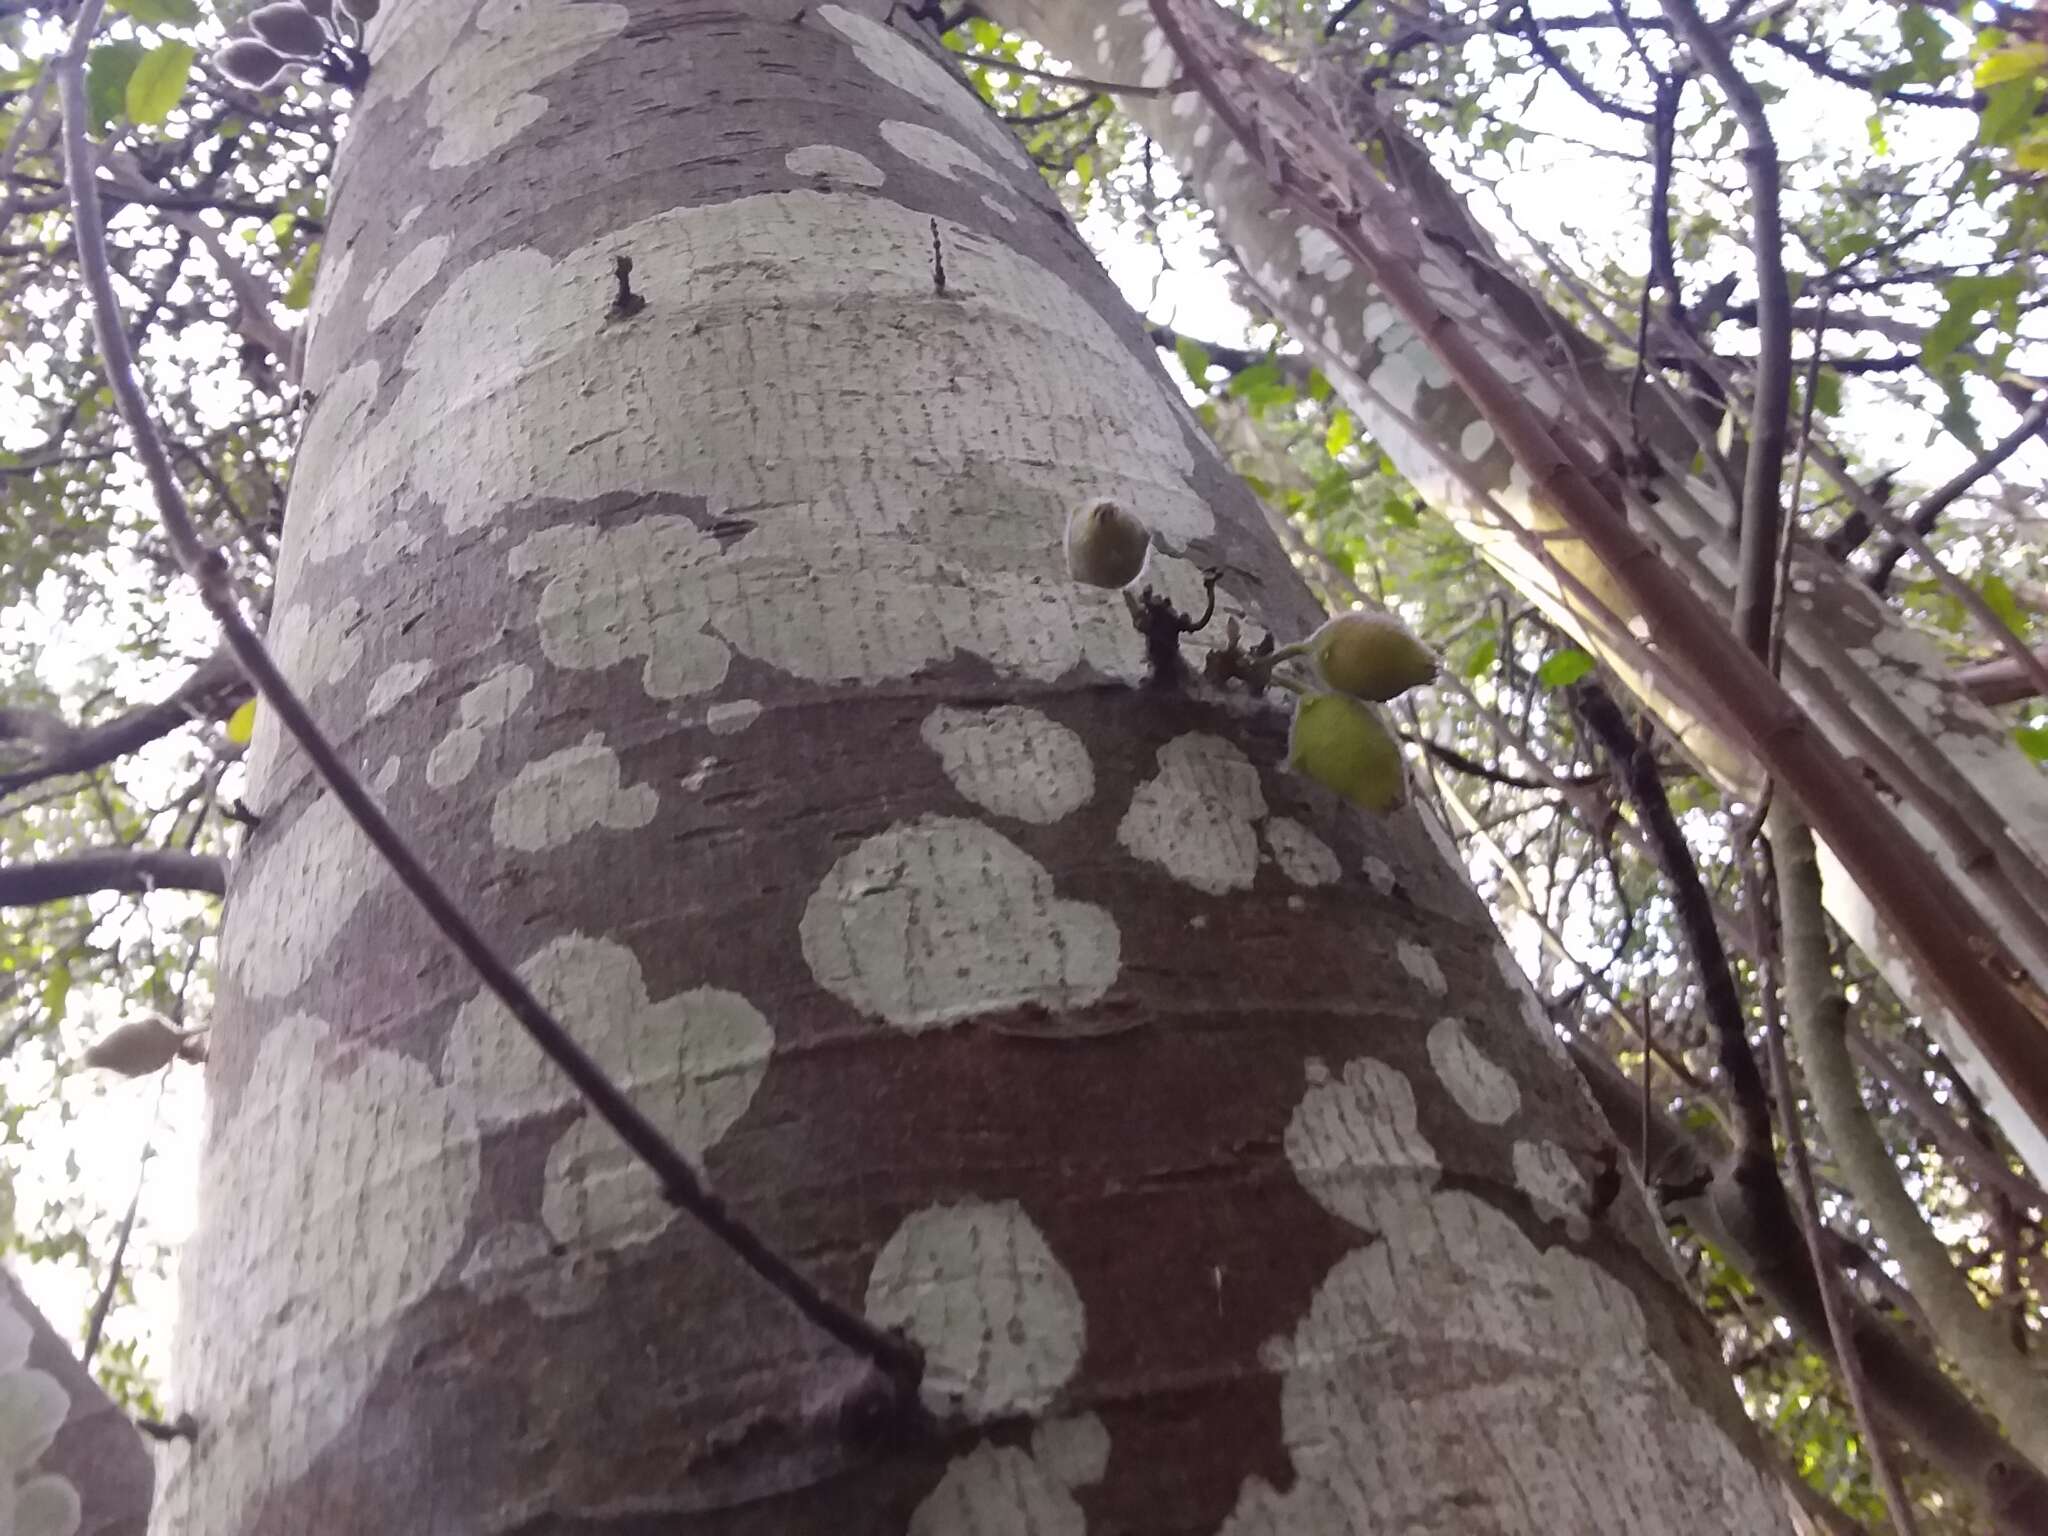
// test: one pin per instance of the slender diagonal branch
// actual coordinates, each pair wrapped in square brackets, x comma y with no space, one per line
[135,871]
[212,689]
[899,1359]
[1771,395]
[1928,513]
[1635,770]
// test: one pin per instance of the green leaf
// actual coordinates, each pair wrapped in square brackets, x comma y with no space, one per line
[1827,393]
[2033,740]
[107,70]
[2016,63]
[157,13]
[158,82]
[2008,107]
[57,992]
[242,724]
[1998,597]
[1342,431]
[299,292]
[1926,42]
[1194,357]
[1561,669]
[1481,659]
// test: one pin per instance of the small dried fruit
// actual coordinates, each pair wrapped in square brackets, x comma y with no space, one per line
[1106,545]
[136,1049]
[1341,744]
[249,62]
[289,28]
[1370,656]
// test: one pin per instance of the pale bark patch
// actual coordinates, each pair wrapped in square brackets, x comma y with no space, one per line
[404,279]
[937,153]
[731,716]
[1303,857]
[1545,1173]
[691,1062]
[977,1287]
[555,798]
[836,162]
[1421,964]
[910,69]
[396,682]
[291,896]
[341,1186]
[1450,1376]
[483,97]
[941,919]
[1195,818]
[480,712]
[1013,761]
[1483,1090]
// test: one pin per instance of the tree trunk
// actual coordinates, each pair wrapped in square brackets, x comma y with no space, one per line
[1880,693]
[74,1462]
[706,622]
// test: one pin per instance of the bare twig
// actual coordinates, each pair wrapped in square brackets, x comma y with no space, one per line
[1938,501]
[1078,82]
[893,1354]
[212,689]
[1771,395]
[1635,770]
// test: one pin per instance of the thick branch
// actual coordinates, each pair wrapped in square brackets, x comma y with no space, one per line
[1323,181]
[215,688]
[135,871]
[1815,1011]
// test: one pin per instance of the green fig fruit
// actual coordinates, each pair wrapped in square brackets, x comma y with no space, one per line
[1370,656]
[1106,545]
[1341,744]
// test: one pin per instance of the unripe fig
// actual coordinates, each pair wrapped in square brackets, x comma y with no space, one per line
[1106,545]
[249,62]
[289,28]
[361,10]
[1341,744]
[136,1049]
[1370,656]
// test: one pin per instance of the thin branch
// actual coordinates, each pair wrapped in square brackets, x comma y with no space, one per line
[214,688]
[1635,771]
[1078,82]
[1771,395]
[900,1360]
[1928,513]
[96,1322]
[1980,1164]
[1833,1304]
[136,871]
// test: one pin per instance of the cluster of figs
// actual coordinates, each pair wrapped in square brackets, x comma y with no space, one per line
[1357,661]
[291,34]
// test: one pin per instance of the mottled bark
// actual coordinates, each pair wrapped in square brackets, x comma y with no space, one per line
[70,1461]
[1878,692]
[1197,1127]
